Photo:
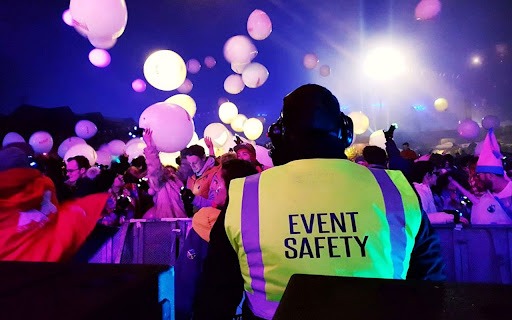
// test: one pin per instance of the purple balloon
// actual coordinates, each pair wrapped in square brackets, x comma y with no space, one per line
[468,129]
[193,66]
[490,121]
[138,85]
[186,87]
[210,62]
[99,58]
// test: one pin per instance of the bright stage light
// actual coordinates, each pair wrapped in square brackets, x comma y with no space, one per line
[476,60]
[384,63]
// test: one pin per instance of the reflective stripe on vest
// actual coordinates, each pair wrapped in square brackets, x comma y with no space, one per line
[388,261]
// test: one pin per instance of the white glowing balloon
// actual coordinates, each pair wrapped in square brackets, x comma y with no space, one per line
[172,126]
[165,70]
[193,66]
[82,150]
[132,141]
[99,58]
[210,62]
[135,150]
[253,128]
[378,139]
[238,123]
[239,49]
[238,67]
[185,101]
[325,70]
[234,84]
[67,144]
[218,133]
[41,142]
[360,121]
[85,129]
[116,147]
[67,18]
[227,112]
[99,18]
[259,25]
[194,140]
[12,137]
[186,87]
[169,159]
[103,43]
[255,75]
[310,61]
[104,158]
[263,157]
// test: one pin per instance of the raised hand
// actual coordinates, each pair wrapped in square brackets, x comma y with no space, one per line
[148,137]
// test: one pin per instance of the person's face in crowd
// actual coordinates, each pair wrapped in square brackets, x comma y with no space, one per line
[73,171]
[243,154]
[432,178]
[405,146]
[218,188]
[196,163]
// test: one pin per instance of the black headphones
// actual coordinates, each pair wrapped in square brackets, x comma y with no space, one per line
[345,132]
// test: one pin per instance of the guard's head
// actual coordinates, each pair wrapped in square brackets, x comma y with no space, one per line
[311,126]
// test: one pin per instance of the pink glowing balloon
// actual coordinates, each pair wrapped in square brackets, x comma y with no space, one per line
[186,87]
[66,17]
[325,70]
[138,85]
[310,61]
[239,49]
[99,58]
[234,84]
[427,9]
[259,25]
[468,129]
[193,66]
[210,62]
[254,75]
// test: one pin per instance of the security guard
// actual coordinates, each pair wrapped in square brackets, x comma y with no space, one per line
[314,213]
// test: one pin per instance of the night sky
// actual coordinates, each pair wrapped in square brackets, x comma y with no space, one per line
[45,63]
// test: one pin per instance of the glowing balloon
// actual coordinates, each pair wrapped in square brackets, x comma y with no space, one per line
[99,58]
[103,43]
[193,66]
[172,126]
[253,128]
[185,101]
[218,133]
[85,129]
[139,85]
[468,129]
[237,124]
[135,150]
[234,84]
[82,150]
[210,62]
[186,87]
[490,121]
[325,70]
[165,70]
[427,9]
[441,104]
[132,141]
[259,25]
[116,147]
[104,158]
[310,61]
[263,157]
[361,122]
[99,18]
[169,159]
[12,137]
[67,144]
[239,49]
[238,67]
[66,17]
[227,112]
[378,139]
[41,142]
[254,75]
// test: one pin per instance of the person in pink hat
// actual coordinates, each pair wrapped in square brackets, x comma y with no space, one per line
[495,206]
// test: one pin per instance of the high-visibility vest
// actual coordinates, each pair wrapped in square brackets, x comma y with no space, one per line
[319,216]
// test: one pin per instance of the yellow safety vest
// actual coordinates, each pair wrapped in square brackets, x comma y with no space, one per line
[319,216]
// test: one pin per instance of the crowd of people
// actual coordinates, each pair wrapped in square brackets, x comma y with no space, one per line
[328,212]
